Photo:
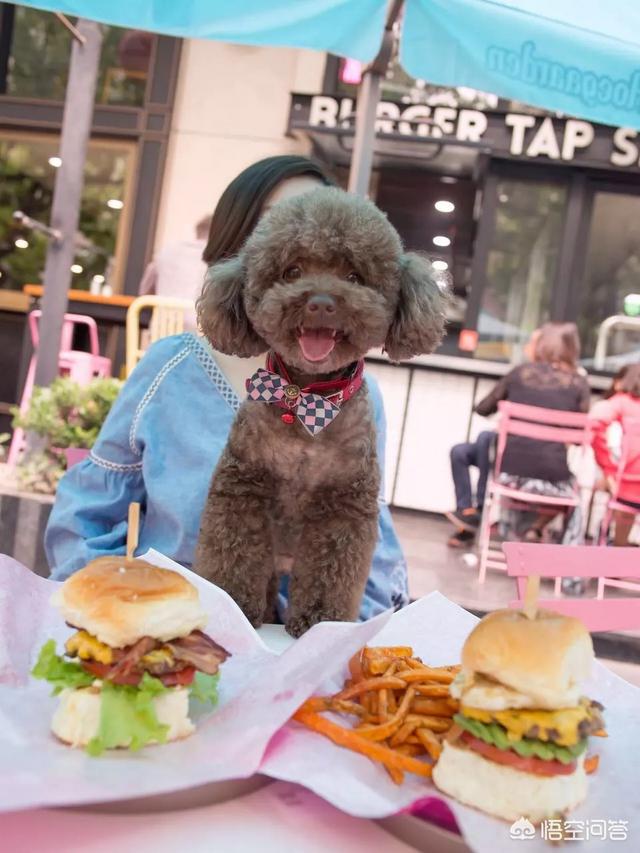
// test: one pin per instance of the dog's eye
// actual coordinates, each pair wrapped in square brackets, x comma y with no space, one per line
[355,278]
[292,273]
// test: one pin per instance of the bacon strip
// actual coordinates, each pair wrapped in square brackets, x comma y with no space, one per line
[200,651]
[129,661]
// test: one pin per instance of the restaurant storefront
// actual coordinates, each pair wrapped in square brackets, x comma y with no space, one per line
[531,217]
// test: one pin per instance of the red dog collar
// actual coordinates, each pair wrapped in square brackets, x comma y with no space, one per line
[336,391]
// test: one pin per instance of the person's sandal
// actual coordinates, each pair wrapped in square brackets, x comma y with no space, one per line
[532,535]
[461,540]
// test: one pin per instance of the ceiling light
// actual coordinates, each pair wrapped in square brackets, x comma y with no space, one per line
[56,162]
[448,179]
[441,240]
[21,243]
[503,197]
[77,268]
[98,279]
[441,266]
[445,206]
[115,204]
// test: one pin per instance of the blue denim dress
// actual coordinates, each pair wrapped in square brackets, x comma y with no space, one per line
[159,446]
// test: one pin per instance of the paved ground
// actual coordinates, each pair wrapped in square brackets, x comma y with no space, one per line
[432,565]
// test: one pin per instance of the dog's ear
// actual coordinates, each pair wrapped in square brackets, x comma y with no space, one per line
[221,312]
[418,324]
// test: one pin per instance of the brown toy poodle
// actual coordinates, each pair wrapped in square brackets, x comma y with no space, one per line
[322,280]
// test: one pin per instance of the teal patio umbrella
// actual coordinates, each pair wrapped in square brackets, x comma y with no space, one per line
[580,57]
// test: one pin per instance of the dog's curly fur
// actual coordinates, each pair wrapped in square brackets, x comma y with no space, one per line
[281,499]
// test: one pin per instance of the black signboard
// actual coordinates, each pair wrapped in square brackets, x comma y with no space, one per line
[515,135]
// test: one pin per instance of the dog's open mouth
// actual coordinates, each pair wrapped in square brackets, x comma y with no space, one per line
[318,344]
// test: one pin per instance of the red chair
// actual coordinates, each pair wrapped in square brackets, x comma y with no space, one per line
[80,366]
[543,425]
[586,561]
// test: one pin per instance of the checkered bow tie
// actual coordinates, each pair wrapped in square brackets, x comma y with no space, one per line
[314,411]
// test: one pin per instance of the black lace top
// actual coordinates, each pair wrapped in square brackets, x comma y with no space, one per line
[538,384]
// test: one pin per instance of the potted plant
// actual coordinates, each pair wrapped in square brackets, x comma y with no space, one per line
[67,417]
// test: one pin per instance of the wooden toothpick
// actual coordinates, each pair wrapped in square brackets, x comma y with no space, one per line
[531,596]
[133,529]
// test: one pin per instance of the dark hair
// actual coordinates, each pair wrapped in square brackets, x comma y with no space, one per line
[558,343]
[616,381]
[630,383]
[240,205]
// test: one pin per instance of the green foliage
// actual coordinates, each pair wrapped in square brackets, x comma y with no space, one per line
[68,414]
[64,415]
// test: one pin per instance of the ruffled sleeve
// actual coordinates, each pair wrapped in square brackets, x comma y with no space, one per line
[89,517]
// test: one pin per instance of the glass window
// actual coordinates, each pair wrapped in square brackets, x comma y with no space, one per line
[612,277]
[38,61]
[521,266]
[27,174]
[434,214]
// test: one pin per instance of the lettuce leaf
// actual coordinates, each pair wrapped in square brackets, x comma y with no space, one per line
[128,716]
[496,735]
[127,713]
[59,672]
[204,688]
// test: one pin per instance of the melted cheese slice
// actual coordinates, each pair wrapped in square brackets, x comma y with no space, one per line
[88,647]
[519,722]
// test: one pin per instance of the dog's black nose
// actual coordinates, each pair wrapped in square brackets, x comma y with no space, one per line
[321,305]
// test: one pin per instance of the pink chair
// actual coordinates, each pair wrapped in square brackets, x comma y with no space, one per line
[543,425]
[80,366]
[585,561]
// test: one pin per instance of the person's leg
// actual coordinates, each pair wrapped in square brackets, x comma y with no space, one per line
[624,523]
[465,517]
[484,445]
[462,457]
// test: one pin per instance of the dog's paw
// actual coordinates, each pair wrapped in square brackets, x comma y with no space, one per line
[298,625]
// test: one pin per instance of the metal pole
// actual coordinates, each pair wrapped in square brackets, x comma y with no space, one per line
[367,106]
[65,211]
[363,141]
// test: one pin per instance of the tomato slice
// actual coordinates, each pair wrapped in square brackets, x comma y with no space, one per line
[101,670]
[537,766]
[182,678]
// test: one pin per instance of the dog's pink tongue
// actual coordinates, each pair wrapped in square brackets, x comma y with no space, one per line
[316,344]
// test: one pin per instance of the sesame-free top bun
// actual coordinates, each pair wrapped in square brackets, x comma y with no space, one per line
[545,658]
[119,601]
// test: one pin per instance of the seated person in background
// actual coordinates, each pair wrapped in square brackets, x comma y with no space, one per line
[620,407]
[551,381]
[467,514]
[178,270]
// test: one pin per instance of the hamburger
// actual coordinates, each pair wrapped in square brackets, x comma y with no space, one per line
[136,656]
[519,741]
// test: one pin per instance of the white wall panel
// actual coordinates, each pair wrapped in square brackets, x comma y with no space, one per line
[393,381]
[437,418]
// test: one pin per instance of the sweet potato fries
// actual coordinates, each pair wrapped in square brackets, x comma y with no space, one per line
[401,709]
